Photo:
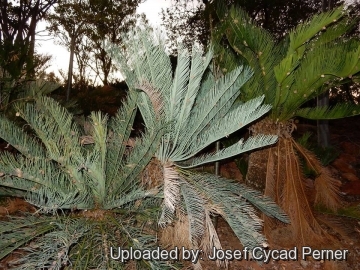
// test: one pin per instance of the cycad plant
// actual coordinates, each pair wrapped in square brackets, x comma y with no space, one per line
[87,190]
[312,58]
[198,109]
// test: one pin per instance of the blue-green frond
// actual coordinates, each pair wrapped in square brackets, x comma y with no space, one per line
[231,151]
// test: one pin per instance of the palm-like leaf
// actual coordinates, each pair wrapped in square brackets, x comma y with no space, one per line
[335,112]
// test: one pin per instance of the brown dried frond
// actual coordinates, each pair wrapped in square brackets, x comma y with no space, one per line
[12,205]
[152,176]
[171,186]
[327,190]
[211,239]
[270,180]
[280,167]
[327,187]
[344,229]
[176,234]
[294,202]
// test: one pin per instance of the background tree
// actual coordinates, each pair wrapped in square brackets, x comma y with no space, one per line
[84,26]
[83,60]
[18,59]
[193,21]
[18,22]
[108,21]
[68,23]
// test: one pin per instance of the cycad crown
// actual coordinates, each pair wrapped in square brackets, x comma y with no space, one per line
[58,172]
[197,106]
[312,58]
[83,184]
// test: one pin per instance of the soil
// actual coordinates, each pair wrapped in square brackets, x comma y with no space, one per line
[345,136]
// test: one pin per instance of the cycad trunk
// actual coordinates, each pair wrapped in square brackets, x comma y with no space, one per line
[258,159]
[277,171]
[256,174]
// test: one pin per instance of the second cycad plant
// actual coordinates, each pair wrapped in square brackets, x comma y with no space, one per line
[197,109]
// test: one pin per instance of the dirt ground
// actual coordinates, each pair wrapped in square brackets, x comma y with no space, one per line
[345,136]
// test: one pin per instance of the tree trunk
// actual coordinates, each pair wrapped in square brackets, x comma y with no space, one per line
[30,65]
[71,64]
[30,68]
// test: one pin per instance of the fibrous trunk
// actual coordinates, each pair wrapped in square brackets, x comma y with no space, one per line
[278,173]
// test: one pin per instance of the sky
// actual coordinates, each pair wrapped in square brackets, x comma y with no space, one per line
[60,54]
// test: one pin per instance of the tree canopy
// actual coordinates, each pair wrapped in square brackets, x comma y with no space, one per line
[84,26]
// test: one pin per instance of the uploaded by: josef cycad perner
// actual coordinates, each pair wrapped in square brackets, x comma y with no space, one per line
[257,254]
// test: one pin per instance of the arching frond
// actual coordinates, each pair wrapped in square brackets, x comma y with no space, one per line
[218,102]
[198,68]
[236,210]
[18,138]
[26,229]
[325,112]
[54,126]
[179,85]
[120,126]
[233,150]
[235,119]
[307,30]
[254,46]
